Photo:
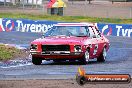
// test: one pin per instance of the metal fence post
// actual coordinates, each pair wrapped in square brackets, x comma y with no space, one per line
[36,3]
[72,1]
[43,6]
[85,6]
[4,2]
[130,12]
[23,5]
[32,3]
[107,13]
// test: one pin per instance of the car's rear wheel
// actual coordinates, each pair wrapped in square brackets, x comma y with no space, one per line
[86,57]
[102,56]
[36,61]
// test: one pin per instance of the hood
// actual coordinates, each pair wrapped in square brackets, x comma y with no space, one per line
[60,40]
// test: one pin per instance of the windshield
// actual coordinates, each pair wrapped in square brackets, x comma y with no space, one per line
[78,31]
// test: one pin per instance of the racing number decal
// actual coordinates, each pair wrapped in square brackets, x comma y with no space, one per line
[95,49]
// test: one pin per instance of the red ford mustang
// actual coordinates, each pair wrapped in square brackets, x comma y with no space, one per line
[70,41]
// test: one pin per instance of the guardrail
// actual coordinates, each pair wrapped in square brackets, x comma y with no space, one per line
[24,25]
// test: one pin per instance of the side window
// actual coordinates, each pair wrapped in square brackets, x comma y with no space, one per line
[87,31]
[84,30]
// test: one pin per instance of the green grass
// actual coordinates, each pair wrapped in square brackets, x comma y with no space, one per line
[65,18]
[7,52]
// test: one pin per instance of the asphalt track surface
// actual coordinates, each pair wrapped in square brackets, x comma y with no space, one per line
[119,60]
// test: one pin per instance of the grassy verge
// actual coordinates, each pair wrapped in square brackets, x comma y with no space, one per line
[8,52]
[65,18]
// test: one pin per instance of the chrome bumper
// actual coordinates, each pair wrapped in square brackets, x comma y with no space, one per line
[55,53]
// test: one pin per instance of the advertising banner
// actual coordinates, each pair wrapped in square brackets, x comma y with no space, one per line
[24,25]
[124,30]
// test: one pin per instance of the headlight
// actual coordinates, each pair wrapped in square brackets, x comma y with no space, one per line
[33,46]
[77,48]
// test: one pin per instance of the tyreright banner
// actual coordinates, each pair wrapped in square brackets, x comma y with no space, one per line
[124,30]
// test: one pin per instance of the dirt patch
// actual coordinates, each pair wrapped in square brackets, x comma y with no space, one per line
[9,53]
[22,54]
[56,84]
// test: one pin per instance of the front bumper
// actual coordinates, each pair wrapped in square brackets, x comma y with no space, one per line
[55,53]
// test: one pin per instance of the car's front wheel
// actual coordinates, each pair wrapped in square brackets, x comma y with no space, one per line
[86,57]
[36,61]
[102,56]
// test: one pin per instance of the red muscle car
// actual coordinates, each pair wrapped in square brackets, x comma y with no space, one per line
[70,41]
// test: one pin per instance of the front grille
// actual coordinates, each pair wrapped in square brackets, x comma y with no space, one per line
[55,48]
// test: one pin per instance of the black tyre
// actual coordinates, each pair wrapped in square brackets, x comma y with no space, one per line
[36,61]
[81,80]
[102,56]
[85,58]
